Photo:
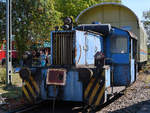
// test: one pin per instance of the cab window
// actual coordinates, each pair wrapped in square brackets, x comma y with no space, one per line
[119,44]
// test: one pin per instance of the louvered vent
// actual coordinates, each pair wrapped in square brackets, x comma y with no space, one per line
[62,48]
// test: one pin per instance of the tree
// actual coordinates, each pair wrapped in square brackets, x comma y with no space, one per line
[32,22]
[73,7]
[146,22]
[2,21]
[44,19]
[114,1]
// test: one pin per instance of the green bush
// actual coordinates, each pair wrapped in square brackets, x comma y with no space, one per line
[2,74]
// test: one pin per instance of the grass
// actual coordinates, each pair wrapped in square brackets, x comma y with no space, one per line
[2,74]
[12,91]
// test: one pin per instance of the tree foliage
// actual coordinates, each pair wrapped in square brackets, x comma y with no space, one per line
[73,7]
[2,21]
[146,22]
[114,1]
[34,19]
[44,19]
[32,22]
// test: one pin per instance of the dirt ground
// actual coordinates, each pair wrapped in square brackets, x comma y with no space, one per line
[11,91]
[135,100]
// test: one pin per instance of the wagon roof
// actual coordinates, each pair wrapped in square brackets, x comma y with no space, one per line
[103,4]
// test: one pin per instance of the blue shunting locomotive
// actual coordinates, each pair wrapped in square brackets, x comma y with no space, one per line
[85,63]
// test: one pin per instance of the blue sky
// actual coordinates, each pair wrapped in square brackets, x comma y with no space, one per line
[138,6]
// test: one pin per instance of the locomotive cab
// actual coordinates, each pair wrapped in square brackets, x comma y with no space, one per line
[121,48]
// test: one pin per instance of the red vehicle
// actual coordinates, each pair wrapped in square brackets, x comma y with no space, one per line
[3,53]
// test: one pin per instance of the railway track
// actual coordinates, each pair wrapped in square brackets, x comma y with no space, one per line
[61,107]
[27,108]
[47,107]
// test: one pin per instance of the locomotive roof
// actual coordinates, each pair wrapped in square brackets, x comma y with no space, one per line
[132,35]
[104,29]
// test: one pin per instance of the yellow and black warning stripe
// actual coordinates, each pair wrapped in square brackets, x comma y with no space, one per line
[95,90]
[30,89]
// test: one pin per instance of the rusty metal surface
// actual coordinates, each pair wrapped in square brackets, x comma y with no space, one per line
[56,77]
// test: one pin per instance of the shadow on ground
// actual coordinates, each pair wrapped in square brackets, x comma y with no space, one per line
[11,91]
[141,107]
